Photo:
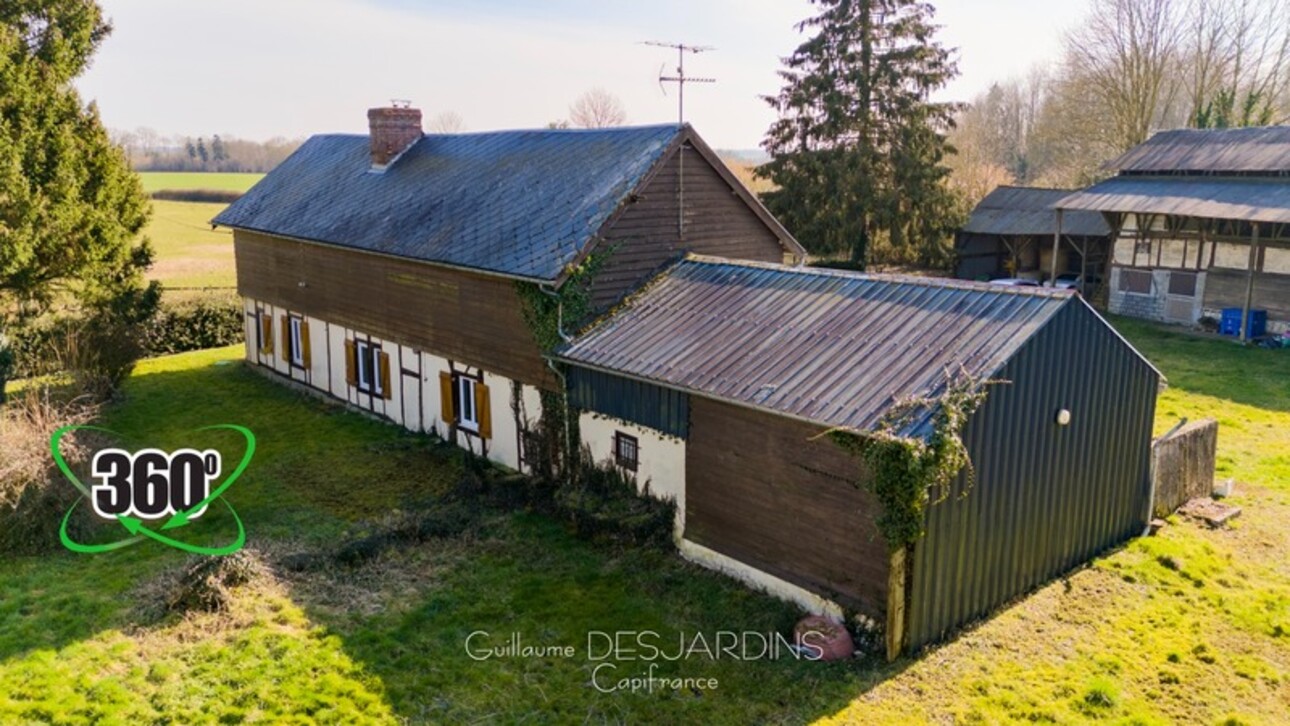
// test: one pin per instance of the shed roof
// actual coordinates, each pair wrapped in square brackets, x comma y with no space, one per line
[518,203]
[1012,210]
[1259,150]
[831,347]
[1244,199]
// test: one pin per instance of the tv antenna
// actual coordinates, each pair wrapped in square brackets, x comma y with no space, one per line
[680,79]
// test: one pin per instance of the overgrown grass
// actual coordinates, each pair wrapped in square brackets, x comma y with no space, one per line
[1188,626]
[232,182]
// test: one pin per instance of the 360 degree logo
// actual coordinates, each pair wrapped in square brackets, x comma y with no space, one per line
[151,485]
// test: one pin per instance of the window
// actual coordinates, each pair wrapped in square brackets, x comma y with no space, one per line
[1182,283]
[465,402]
[626,451]
[264,332]
[1135,281]
[295,341]
[369,364]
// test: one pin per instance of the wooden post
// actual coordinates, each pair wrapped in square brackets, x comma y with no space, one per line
[1249,282]
[896,589]
[1057,240]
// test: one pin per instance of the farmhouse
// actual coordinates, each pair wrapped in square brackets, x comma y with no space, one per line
[1010,233]
[717,379]
[1201,222]
[397,272]
[386,270]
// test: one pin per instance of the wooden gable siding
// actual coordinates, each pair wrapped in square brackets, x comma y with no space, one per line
[758,489]
[474,319]
[646,235]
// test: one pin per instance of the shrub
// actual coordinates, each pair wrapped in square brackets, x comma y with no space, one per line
[33,494]
[207,322]
[604,503]
[99,353]
[204,584]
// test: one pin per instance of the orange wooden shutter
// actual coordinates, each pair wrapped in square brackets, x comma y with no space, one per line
[304,343]
[385,376]
[446,411]
[483,413]
[266,332]
[351,363]
[286,338]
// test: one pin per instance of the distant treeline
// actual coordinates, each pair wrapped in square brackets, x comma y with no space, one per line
[151,151]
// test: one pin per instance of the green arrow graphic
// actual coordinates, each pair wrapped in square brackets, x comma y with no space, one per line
[74,546]
[181,518]
[228,549]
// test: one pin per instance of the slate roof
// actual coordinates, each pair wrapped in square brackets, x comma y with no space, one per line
[1242,198]
[1012,210]
[518,203]
[1259,150]
[827,346]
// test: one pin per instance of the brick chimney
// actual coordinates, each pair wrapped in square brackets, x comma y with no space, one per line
[393,130]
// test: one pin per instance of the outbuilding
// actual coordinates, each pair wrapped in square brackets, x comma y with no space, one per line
[716,382]
[1201,222]
[1010,234]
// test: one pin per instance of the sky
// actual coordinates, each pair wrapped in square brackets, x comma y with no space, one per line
[263,68]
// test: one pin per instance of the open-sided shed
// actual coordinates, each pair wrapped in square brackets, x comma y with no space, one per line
[1201,222]
[1010,233]
[723,376]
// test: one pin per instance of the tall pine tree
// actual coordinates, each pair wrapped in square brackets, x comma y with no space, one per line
[71,209]
[858,148]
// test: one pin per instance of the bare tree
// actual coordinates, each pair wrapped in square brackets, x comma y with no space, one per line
[597,109]
[1125,56]
[446,122]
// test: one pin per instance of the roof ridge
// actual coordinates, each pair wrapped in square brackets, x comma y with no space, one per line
[887,277]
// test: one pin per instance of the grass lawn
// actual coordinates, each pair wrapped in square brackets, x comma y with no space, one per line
[189,253]
[157,180]
[1188,626]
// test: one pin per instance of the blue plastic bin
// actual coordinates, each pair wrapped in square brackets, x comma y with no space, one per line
[1255,327]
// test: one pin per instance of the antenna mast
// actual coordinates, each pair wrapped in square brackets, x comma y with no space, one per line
[680,79]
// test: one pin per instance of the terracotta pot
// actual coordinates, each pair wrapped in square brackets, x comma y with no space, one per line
[821,635]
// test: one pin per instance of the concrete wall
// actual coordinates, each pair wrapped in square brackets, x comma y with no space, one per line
[1184,465]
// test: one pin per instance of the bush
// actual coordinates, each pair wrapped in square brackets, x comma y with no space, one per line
[604,503]
[33,493]
[208,322]
[221,196]
[203,585]
[99,353]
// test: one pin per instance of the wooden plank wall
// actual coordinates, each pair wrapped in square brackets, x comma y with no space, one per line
[760,491]
[645,237]
[1225,288]
[474,319]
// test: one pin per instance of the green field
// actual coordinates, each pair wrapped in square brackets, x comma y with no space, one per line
[158,180]
[1190,626]
[189,254]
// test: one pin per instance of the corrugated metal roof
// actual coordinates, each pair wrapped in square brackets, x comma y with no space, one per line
[1263,149]
[520,203]
[1251,200]
[827,346]
[1029,211]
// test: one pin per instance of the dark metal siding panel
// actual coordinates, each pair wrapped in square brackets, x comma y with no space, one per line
[662,409]
[1046,497]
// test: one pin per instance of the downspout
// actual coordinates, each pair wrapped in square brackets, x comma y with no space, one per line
[564,383]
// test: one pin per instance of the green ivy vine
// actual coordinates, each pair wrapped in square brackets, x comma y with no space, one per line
[908,473]
[548,313]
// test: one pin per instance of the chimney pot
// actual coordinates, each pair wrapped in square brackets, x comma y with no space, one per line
[393,130]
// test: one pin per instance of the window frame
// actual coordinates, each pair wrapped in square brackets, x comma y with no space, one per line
[367,359]
[631,463]
[461,384]
[295,340]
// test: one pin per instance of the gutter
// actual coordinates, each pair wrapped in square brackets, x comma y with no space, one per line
[547,290]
